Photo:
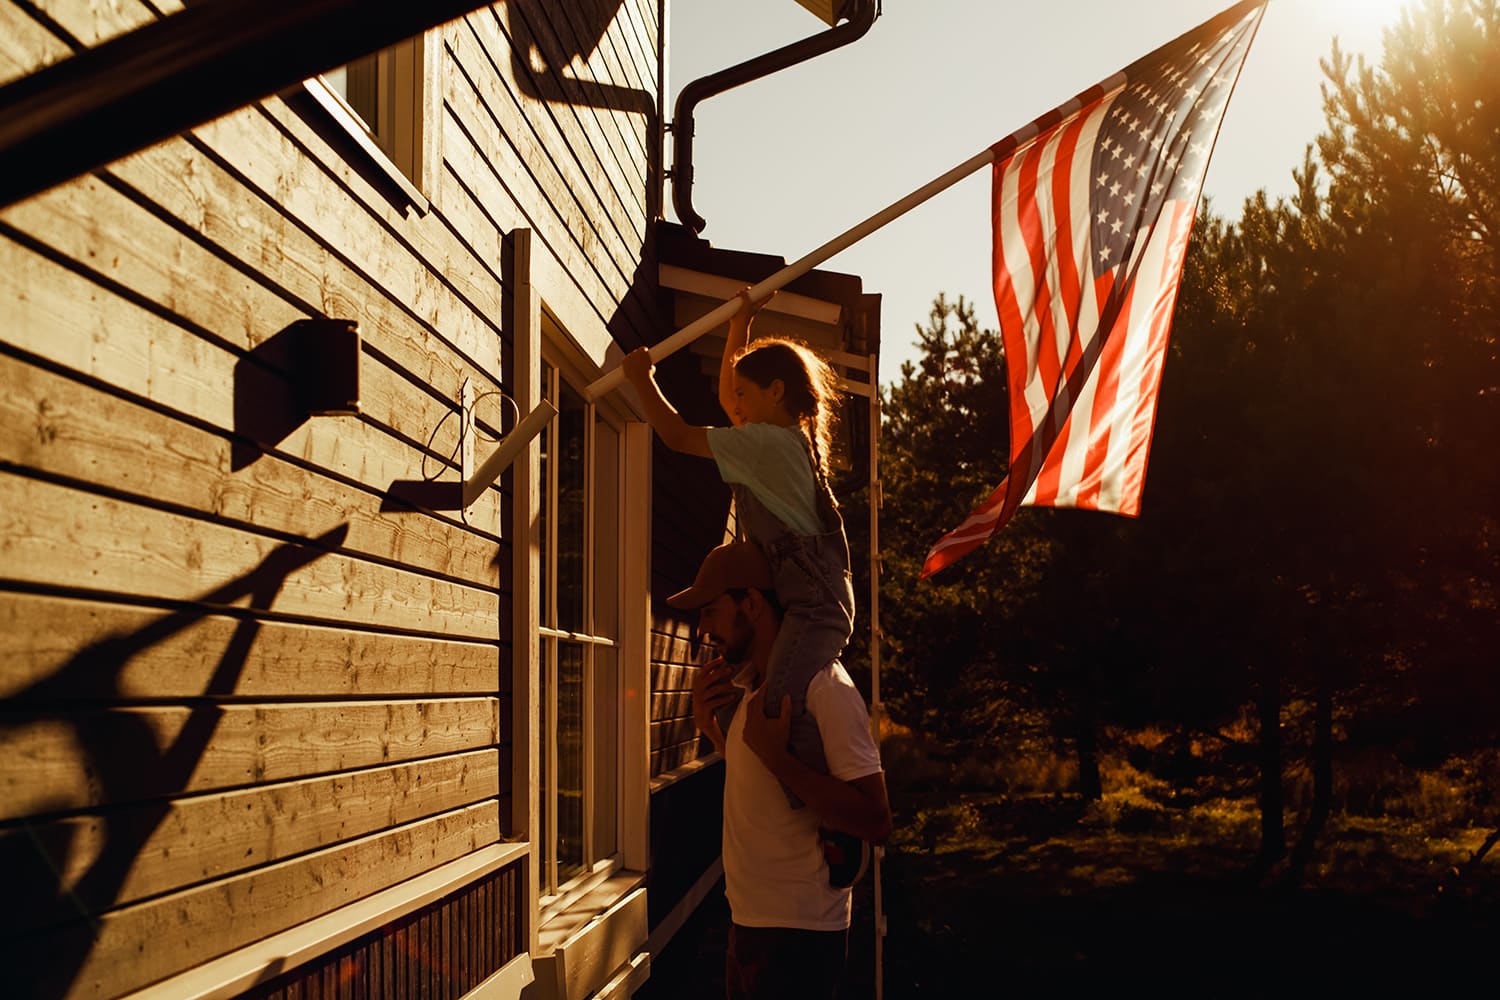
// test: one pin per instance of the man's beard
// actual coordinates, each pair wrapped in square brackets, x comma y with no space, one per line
[739,651]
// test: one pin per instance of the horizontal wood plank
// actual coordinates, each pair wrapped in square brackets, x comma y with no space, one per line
[93,23]
[569,137]
[484,209]
[671,705]
[509,147]
[570,133]
[476,281]
[125,855]
[280,171]
[116,239]
[672,732]
[137,945]
[55,425]
[62,537]
[204,198]
[25,44]
[72,321]
[90,758]
[596,80]
[59,650]
[673,757]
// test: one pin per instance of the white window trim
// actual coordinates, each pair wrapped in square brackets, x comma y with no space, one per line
[533,266]
[597,869]
[425,143]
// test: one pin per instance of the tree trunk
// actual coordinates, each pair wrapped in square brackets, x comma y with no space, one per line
[1322,800]
[1272,832]
[1090,785]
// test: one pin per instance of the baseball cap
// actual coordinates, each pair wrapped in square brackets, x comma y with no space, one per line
[731,566]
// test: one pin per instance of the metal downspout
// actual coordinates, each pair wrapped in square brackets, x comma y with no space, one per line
[859,22]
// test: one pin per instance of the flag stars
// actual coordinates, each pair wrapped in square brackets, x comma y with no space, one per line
[1146,136]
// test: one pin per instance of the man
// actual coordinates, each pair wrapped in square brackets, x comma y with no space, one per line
[790,924]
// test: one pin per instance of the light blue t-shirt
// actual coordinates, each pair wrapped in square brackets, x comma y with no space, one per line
[773,463]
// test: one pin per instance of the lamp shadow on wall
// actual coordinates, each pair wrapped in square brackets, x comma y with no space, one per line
[309,368]
[51,919]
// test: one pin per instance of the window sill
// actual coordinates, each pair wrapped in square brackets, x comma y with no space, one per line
[692,767]
[562,923]
[599,933]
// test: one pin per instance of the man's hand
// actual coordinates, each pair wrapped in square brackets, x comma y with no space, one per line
[768,738]
[712,690]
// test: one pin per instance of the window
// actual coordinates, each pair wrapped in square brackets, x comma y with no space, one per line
[384,90]
[579,616]
[379,102]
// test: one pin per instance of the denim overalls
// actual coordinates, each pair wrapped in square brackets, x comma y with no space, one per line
[816,593]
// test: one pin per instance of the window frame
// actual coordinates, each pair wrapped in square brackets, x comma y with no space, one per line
[402,146]
[557,890]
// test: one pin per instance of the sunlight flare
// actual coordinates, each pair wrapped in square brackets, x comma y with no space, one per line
[1365,13]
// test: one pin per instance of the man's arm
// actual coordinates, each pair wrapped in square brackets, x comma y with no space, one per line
[860,807]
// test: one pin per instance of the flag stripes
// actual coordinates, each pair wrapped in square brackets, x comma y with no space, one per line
[1092,209]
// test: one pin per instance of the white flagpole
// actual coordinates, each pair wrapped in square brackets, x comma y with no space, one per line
[758,293]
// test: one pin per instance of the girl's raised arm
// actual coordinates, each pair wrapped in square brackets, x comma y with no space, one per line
[675,432]
[739,336]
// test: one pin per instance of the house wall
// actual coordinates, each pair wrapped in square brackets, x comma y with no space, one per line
[257,674]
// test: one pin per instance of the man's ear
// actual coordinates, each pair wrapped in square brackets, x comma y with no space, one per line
[756,604]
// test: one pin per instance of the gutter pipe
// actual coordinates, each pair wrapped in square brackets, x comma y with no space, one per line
[859,22]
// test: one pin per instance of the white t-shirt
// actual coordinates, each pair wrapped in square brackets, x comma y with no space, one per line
[774,872]
[772,461]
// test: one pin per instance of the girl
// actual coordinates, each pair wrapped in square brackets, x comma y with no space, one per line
[780,397]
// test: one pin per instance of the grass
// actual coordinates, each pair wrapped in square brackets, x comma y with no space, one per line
[1000,881]
[1023,889]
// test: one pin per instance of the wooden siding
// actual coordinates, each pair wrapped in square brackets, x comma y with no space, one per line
[549,123]
[249,674]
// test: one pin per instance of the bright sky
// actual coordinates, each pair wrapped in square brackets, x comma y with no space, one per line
[788,162]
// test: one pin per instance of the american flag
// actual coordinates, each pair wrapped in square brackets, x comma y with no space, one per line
[1093,206]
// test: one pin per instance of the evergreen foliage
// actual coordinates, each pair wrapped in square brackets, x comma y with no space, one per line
[1318,539]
